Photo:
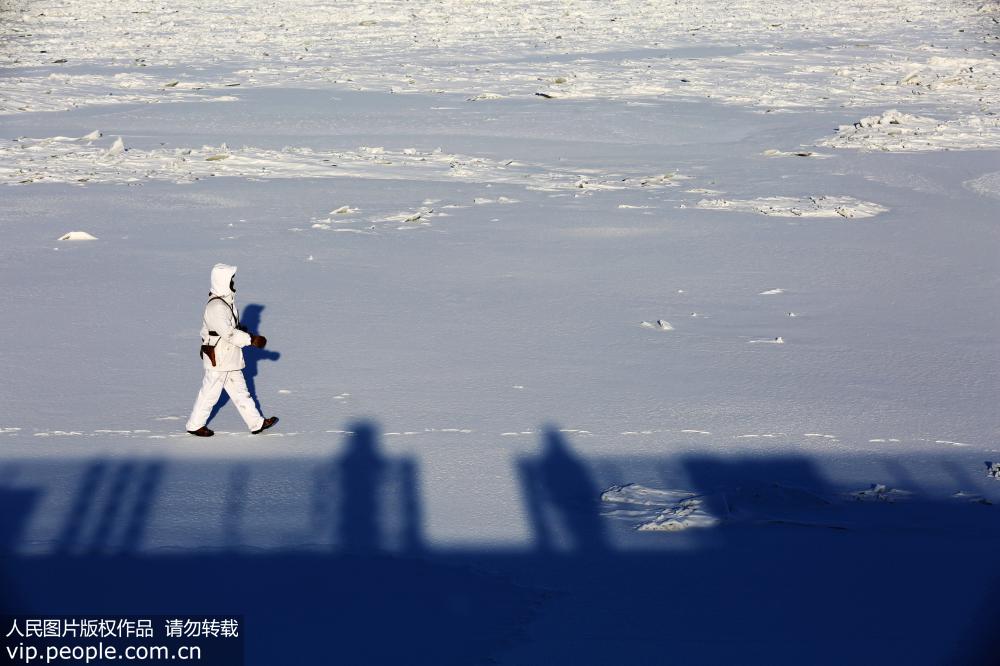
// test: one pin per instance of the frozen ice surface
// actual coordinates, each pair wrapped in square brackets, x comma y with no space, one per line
[449,218]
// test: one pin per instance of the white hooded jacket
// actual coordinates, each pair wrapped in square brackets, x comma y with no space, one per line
[218,328]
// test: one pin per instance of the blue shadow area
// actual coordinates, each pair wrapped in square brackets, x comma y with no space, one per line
[790,574]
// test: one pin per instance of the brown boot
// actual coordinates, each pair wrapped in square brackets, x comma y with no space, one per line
[202,432]
[268,422]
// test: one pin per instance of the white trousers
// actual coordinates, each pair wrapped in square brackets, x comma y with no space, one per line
[211,389]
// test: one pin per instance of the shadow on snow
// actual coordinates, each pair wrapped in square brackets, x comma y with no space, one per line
[787,576]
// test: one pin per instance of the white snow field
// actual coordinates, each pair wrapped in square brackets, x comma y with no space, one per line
[649,332]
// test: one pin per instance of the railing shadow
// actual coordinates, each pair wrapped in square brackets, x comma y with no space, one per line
[16,508]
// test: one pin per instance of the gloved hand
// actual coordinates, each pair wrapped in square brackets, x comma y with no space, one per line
[258,341]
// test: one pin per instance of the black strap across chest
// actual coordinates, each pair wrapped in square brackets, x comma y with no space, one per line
[236,317]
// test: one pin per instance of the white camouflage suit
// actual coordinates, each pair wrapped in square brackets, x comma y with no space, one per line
[221,319]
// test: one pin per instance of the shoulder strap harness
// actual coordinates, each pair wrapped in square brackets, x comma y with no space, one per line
[236,317]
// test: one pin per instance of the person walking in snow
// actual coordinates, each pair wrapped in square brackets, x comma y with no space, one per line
[222,342]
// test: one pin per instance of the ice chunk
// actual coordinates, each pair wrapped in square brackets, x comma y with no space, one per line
[77,236]
[117,148]
[661,510]
[879,492]
[811,207]
[634,493]
[686,514]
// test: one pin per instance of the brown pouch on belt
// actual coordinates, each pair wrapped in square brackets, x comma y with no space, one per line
[209,351]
